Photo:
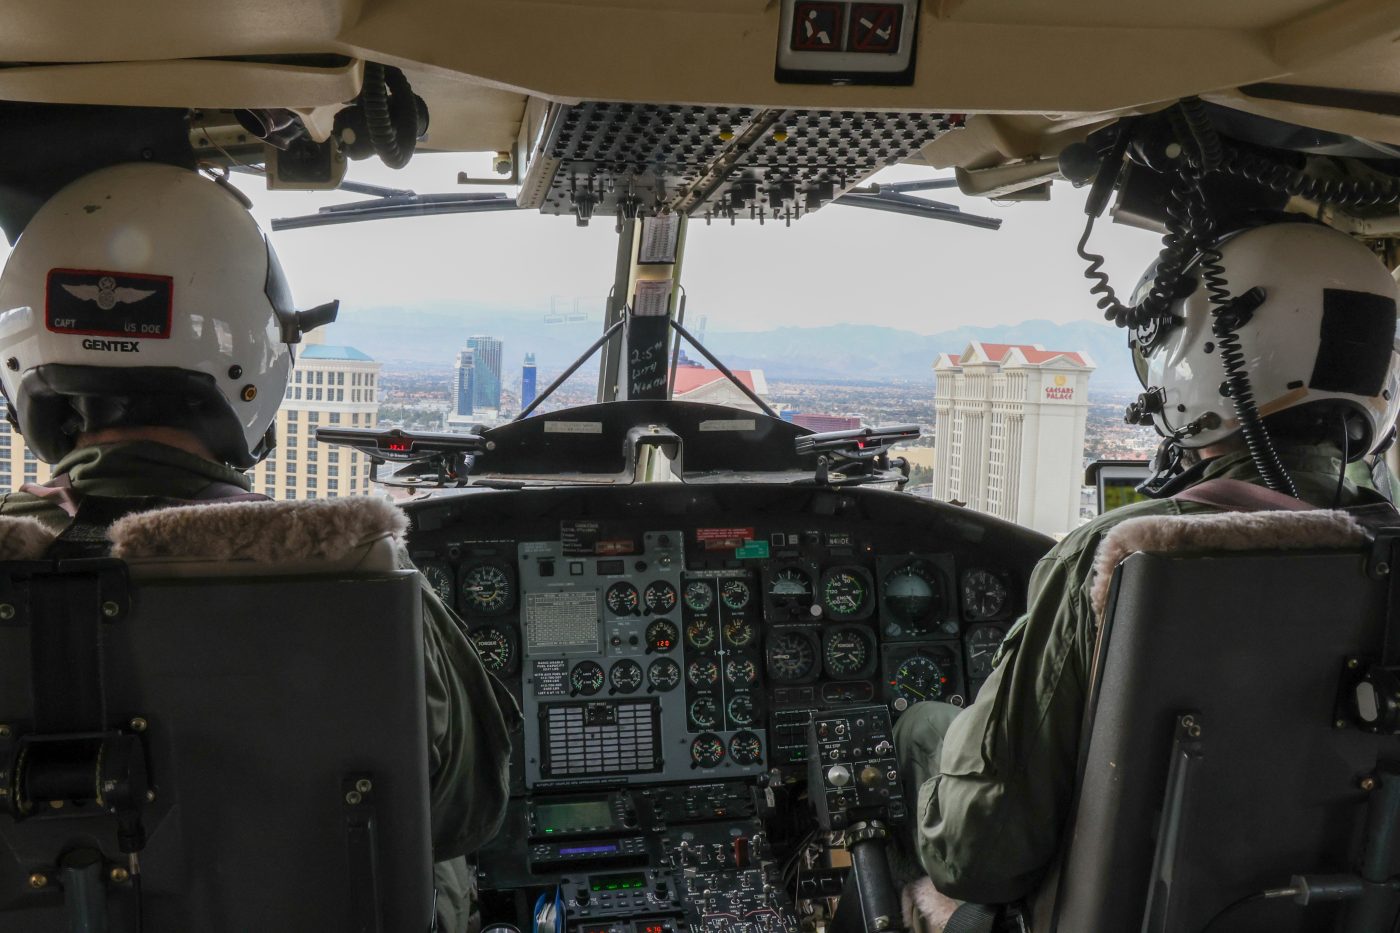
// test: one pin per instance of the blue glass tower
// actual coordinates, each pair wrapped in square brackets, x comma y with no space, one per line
[527,381]
[464,388]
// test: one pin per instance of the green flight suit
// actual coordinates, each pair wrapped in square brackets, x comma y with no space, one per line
[470,715]
[995,780]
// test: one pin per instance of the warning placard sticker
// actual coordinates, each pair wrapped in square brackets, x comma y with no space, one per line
[723,539]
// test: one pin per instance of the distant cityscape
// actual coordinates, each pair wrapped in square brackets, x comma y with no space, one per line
[486,381]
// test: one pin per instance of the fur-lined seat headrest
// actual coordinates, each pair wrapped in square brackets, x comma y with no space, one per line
[1224,531]
[23,538]
[264,532]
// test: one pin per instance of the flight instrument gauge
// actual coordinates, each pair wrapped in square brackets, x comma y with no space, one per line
[699,595]
[625,676]
[707,751]
[495,647]
[792,657]
[703,673]
[439,578]
[741,671]
[487,589]
[745,748]
[662,635]
[913,598]
[982,644]
[700,633]
[919,678]
[663,676]
[848,652]
[740,710]
[984,594]
[623,599]
[660,597]
[846,593]
[738,632]
[586,678]
[704,713]
[790,588]
[735,594]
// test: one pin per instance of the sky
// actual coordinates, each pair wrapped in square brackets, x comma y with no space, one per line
[835,266]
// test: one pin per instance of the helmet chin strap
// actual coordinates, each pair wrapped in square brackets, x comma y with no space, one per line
[1170,474]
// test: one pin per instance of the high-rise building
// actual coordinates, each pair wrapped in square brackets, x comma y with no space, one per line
[330,385]
[1010,432]
[18,465]
[527,381]
[487,358]
[464,388]
[821,423]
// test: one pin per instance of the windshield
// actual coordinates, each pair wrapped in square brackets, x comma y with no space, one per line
[836,321]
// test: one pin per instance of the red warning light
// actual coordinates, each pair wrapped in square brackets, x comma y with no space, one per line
[400,446]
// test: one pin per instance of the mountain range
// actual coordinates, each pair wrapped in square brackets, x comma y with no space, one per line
[432,335]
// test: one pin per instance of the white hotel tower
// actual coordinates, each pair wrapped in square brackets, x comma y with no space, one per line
[1010,425]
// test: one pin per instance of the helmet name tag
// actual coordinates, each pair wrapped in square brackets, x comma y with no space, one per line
[108,304]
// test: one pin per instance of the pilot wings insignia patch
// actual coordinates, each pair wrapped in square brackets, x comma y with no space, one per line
[106,293]
[109,304]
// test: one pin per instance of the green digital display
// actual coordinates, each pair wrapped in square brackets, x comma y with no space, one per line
[574,816]
[1118,493]
[630,881]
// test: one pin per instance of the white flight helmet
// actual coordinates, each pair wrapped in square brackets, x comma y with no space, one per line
[146,294]
[1325,332]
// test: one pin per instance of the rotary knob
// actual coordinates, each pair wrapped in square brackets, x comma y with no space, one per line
[838,776]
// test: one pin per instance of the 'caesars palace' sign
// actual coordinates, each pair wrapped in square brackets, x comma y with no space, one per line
[1060,390]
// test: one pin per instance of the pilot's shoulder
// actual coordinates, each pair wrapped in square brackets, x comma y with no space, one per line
[19,504]
[1085,539]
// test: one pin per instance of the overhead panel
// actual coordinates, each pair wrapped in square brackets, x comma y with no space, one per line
[731,163]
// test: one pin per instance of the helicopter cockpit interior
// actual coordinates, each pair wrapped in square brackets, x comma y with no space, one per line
[710,617]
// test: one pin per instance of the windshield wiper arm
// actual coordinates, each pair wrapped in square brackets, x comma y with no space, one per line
[893,199]
[406,205]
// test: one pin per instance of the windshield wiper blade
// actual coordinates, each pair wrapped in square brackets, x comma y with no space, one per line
[889,198]
[408,205]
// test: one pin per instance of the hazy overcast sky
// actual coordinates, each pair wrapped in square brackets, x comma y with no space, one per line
[838,265]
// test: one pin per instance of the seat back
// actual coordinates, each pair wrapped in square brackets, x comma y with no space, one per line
[279,711]
[1224,670]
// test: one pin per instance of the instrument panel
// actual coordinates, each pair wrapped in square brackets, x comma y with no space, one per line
[661,634]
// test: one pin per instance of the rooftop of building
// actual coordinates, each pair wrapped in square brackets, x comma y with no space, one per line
[1013,354]
[322,351]
[690,378]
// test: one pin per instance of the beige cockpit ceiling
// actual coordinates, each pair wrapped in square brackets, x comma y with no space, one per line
[1048,65]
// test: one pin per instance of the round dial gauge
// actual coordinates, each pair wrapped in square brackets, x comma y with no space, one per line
[791,586]
[623,599]
[663,675]
[700,633]
[625,676]
[495,647]
[699,595]
[662,635]
[741,671]
[586,678]
[847,652]
[982,644]
[791,657]
[740,710]
[745,748]
[440,579]
[703,672]
[735,593]
[704,713]
[660,597]
[984,594]
[918,678]
[844,593]
[486,589]
[738,632]
[707,751]
[912,594]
